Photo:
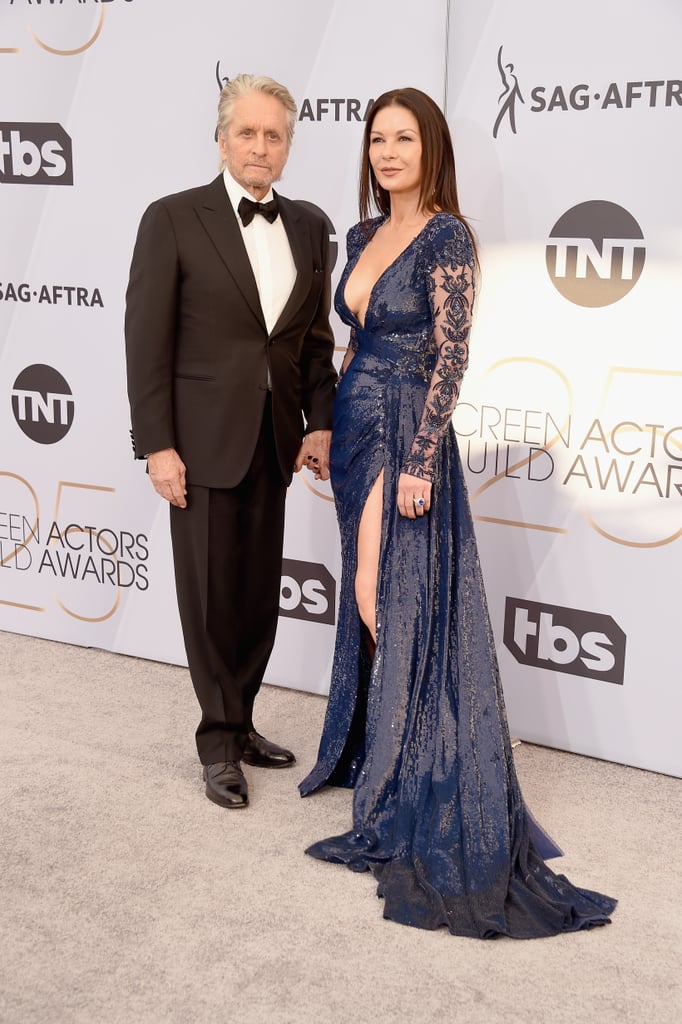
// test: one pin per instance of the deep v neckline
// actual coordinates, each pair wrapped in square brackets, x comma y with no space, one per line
[383,273]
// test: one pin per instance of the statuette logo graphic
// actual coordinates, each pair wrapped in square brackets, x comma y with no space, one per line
[511,93]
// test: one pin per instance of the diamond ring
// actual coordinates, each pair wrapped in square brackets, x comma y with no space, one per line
[419,502]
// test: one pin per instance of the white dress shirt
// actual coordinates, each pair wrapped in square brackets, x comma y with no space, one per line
[269,252]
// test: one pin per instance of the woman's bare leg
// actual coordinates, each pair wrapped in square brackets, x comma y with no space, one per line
[369,546]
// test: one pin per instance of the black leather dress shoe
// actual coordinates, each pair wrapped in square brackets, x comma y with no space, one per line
[261,753]
[226,785]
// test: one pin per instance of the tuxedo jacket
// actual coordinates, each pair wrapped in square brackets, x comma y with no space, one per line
[199,355]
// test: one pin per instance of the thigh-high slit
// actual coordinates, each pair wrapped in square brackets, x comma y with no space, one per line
[421,733]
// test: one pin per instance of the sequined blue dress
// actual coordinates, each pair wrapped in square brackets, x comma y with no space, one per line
[420,730]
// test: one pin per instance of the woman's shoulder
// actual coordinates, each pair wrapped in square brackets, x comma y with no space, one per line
[359,234]
[446,233]
[446,224]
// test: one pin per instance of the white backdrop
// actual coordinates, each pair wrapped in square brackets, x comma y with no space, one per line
[579,539]
[568,131]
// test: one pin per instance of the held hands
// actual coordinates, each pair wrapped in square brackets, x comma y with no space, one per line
[167,473]
[414,496]
[314,454]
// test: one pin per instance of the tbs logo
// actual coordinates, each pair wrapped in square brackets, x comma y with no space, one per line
[35,154]
[565,640]
[308,592]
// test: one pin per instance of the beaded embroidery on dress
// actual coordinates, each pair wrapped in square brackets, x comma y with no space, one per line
[420,730]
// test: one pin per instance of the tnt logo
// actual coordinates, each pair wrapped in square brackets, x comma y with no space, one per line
[565,640]
[308,592]
[43,404]
[595,253]
[35,154]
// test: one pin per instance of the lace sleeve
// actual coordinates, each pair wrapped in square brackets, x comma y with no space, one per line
[450,282]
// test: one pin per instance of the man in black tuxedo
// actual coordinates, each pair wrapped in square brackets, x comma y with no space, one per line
[231,385]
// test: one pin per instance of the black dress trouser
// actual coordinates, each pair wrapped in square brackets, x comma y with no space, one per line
[227,553]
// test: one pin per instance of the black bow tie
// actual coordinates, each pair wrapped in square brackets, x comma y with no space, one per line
[248,209]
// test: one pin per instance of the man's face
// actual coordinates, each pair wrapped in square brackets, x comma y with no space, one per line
[255,145]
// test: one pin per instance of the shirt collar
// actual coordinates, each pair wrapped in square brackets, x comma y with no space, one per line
[236,191]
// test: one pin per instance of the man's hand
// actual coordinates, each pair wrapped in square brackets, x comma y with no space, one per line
[314,454]
[167,473]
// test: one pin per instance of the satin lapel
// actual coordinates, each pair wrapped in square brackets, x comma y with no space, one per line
[297,234]
[220,222]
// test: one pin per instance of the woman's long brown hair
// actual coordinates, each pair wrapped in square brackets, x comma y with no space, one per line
[438,191]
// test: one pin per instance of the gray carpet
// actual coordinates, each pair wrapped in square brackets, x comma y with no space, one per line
[127,898]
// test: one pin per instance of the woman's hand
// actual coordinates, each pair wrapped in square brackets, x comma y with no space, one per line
[414,496]
[314,454]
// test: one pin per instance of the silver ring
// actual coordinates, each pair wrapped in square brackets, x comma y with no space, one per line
[419,501]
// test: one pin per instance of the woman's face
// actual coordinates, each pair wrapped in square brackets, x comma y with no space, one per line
[395,150]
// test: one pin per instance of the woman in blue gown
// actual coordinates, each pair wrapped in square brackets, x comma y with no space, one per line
[416,721]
